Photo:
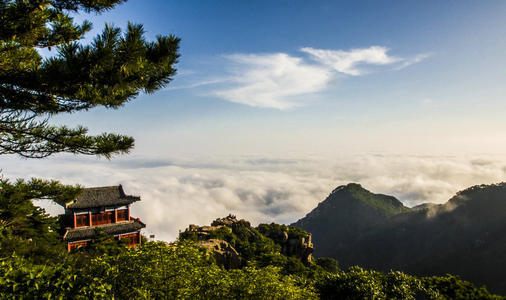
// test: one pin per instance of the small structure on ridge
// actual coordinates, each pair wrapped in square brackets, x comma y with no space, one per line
[107,208]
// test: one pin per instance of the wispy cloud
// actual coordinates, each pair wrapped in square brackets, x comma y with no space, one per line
[273,80]
[408,62]
[347,62]
[283,81]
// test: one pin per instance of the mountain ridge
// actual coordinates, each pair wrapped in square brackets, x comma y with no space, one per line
[464,236]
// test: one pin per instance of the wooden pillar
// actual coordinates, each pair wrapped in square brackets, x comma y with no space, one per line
[139,237]
[75,221]
[89,217]
[115,215]
[68,247]
[128,212]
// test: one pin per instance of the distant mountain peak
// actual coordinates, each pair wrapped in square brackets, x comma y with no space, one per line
[347,187]
[354,208]
[355,193]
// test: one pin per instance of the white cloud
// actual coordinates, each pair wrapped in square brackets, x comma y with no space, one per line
[283,81]
[346,62]
[273,80]
[176,193]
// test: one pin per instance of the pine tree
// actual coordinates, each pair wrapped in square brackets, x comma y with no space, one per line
[109,72]
[26,229]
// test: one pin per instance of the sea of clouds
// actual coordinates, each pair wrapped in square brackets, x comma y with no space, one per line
[178,192]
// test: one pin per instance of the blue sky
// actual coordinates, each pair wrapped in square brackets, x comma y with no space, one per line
[277,102]
[256,73]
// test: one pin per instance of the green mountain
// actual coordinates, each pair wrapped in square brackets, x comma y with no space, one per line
[349,212]
[465,236]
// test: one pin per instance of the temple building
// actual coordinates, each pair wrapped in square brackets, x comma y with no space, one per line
[107,208]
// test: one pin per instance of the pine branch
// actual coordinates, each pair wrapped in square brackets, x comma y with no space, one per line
[111,71]
[30,136]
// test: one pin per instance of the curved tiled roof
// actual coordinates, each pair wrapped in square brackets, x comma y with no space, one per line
[77,234]
[101,196]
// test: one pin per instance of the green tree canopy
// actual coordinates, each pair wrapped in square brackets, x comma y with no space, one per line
[26,229]
[110,71]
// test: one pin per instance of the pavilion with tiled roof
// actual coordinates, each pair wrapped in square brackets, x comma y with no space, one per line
[106,208]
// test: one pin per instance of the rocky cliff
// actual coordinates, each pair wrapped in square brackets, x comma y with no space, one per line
[233,240]
[224,253]
[293,242]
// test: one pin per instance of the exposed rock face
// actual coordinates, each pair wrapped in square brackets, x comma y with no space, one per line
[202,232]
[294,242]
[298,246]
[227,221]
[224,253]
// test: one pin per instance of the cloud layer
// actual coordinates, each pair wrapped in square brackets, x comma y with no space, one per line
[178,192]
[283,81]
